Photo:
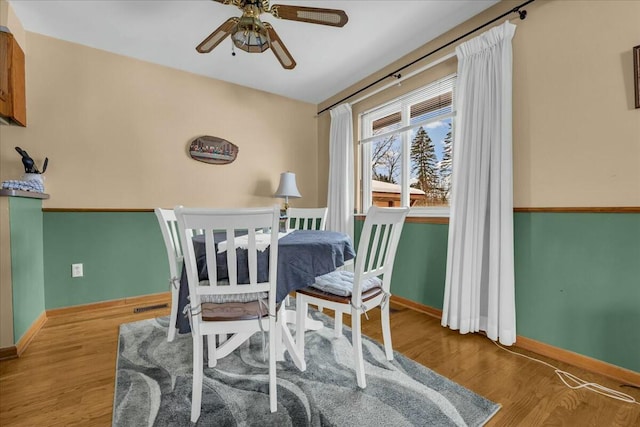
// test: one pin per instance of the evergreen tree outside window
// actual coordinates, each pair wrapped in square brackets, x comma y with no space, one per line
[408,145]
[424,166]
[445,168]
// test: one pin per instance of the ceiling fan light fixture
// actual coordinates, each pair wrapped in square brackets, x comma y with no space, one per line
[251,35]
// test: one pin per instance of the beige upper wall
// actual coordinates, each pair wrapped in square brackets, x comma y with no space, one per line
[576,140]
[116,132]
[576,131]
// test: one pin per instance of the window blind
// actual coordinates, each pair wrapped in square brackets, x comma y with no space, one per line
[430,99]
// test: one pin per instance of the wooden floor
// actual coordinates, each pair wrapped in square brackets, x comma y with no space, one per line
[66,375]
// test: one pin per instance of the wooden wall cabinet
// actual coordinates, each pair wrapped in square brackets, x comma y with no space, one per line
[13,106]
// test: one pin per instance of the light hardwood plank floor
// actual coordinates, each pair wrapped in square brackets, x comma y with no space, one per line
[66,377]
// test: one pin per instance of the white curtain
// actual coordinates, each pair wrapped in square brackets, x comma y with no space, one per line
[340,194]
[479,287]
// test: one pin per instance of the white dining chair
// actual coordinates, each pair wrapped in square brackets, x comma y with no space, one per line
[169,227]
[225,306]
[306,218]
[356,292]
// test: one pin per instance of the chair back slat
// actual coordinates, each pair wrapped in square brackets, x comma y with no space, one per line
[211,257]
[232,263]
[169,228]
[374,248]
[306,218]
[384,247]
[377,248]
[175,238]
[253,257]
[238,230]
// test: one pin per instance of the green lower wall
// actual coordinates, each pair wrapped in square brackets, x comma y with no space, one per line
[27,273]
[578,283]
[577,279]
[122,254]
[577,274]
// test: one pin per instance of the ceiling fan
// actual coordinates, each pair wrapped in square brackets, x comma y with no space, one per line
[252,35]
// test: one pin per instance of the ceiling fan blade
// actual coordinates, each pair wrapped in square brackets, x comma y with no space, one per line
[313,15]
[217,36]
[279,49]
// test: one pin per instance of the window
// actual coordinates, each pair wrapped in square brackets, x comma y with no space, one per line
[407,145]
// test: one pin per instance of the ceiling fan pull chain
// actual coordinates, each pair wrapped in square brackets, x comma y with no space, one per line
[233,51]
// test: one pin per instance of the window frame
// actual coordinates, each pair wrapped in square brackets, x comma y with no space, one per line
[403,105]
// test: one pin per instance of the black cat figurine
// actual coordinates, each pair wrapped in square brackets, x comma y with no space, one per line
[29,164]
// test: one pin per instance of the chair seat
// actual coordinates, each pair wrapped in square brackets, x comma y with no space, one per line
[317,293]
[233,311]
[340,283]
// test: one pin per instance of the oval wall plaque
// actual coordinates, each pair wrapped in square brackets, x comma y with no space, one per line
[214,150]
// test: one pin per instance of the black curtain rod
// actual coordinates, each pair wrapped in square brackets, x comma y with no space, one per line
[522,13]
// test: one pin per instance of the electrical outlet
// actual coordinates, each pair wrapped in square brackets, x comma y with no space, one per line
[76,270]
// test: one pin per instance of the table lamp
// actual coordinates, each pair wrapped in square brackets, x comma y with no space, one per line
[287,188]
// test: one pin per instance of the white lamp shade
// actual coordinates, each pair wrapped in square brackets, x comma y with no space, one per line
[287,187]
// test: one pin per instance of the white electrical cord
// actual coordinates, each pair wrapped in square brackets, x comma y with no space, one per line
[579,383]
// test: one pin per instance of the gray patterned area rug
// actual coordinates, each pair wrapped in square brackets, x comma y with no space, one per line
[153,385]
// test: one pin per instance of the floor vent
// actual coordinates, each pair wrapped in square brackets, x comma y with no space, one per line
[150,307]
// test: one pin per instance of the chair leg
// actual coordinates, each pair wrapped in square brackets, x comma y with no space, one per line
[386,332]
[356,337]
[320,308]
[337,324]
[273,386]
[174,314]
[212,359]
[301,315]
[280,323]
[196,393]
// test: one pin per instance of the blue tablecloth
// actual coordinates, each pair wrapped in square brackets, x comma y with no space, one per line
[302,256]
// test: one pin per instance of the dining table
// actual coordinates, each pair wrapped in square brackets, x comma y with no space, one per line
[303,255]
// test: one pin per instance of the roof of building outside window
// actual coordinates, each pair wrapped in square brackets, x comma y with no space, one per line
[387,187]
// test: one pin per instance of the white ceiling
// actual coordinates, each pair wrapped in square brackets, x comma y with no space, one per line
[329,59]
